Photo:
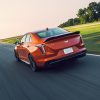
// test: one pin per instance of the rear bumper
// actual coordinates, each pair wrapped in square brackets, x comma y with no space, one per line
[77,55]
[50,60]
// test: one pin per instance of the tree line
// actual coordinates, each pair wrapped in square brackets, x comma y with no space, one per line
[85,15]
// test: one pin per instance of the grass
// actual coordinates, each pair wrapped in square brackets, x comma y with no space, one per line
[91,36]
[90,33]
[85,28]
[10,40]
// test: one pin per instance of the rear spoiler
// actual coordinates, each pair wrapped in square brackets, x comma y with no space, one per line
[70,33]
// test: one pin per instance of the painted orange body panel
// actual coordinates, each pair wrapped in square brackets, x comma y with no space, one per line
[54,48]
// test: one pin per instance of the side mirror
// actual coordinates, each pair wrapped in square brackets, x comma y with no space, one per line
[17,42]
[21,43]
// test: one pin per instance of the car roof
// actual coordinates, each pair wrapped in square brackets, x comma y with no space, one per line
[35,32]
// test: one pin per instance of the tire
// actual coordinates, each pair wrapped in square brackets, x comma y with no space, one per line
[16,56]
[32,63]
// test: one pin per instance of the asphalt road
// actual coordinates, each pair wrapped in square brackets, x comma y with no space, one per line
[77,80]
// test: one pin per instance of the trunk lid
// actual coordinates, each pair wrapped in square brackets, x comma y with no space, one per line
[63,41]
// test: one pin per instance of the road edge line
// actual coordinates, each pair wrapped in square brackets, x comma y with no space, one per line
[93,55]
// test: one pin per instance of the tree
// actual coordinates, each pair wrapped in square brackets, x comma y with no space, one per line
[70,22]
[93,11]
[85,15]
[76,21]
[98,9]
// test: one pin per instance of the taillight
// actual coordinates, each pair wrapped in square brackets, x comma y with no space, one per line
[42,48]
[81,41]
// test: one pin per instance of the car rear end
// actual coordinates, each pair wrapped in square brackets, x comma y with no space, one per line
[57,45]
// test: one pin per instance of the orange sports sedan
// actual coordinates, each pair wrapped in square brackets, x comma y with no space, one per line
[49,46]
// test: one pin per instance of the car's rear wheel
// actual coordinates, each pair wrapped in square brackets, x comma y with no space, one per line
[16,56]
[32,63]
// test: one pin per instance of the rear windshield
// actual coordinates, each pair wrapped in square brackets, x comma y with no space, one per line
[52,33]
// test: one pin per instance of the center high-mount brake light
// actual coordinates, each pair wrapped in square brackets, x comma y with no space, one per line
[42,48]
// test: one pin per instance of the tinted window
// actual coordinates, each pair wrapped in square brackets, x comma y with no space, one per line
[28,38]
[23,39]
[52,32]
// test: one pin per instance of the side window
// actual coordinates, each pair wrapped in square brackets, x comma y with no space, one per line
[28,38]
[23,39]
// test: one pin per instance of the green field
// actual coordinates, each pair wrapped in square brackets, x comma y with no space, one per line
[91,36]
[10,40]
[90,33]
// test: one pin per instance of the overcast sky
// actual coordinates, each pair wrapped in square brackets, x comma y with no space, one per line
[22,16]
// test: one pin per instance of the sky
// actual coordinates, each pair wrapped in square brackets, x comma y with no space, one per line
[21,16]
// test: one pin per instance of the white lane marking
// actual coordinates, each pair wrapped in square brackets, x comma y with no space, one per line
[26,62]
[93,55]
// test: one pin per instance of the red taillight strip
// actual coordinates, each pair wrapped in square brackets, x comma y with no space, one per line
[81,40]
[42,48]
